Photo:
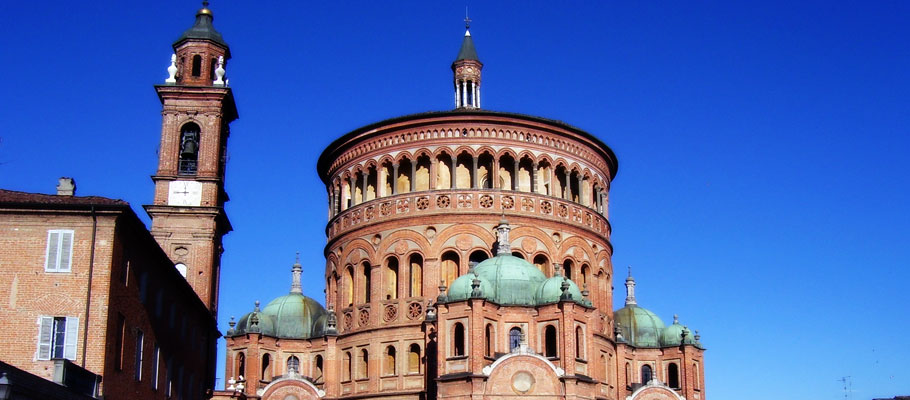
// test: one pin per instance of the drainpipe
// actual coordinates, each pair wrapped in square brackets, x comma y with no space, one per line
[88,289]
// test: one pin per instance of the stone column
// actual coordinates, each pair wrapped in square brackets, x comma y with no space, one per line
[474,173]
[352,183]
[413,179]
[515,179]
[363,185]
[453,174]
[534,176]
[495,174]
[395,178]
[434,172]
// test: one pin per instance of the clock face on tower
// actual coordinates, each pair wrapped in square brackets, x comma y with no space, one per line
[184,193]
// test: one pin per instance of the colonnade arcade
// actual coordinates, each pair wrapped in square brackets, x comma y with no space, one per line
[467,169]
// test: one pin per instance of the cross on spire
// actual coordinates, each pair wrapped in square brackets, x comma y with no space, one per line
[467,21]
[205,4]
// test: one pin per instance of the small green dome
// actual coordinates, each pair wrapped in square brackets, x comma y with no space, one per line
[673,334]
[292,316]
[550,291]
[639,326]
[505,280]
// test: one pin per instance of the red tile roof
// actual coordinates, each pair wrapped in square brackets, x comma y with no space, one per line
[10,197]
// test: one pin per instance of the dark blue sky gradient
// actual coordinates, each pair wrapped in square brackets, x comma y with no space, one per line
[762,191]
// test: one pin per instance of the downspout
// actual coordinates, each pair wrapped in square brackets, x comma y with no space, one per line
[88,289]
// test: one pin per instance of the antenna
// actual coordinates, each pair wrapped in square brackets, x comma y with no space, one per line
[848,386]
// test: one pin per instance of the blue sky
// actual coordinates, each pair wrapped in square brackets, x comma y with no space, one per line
[762,191]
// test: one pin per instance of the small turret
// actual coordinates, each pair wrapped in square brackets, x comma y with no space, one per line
[467,69]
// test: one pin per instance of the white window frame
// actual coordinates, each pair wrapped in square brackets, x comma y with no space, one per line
[156,360]
[53,260]
[140,353]
[48,328]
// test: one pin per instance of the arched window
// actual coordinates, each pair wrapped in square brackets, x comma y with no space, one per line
[293,365]
[567,267]
[585,275]
[645,374]
[389,367]
[348,286]
[346,367]
[579,343]
[365,294]
[550,342]
[477,256]
[266,367]
[189,149]
[212,66]
[422,173]
[673,376]
[541,262]
[181,268]
[514,338]
[363,370]
[317,370]
[416,275]
[449,267]
[518,254]
[241,364]
[458,339]
[197,65]
[488,341]
[628,375]
[391,278]
[414,359]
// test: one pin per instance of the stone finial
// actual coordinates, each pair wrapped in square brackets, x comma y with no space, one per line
[442,298]
[565,290]
[502,237]
[557,271]
[331,322]
[296,271]
[254,318]
[585,295]
[172,71]
[66,186]
[475,287]
[617,332]
[219,72]
[675,318]
[697,337]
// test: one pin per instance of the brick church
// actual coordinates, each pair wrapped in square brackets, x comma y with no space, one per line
[468,256]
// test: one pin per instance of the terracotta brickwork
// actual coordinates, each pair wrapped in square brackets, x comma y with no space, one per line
[134,292]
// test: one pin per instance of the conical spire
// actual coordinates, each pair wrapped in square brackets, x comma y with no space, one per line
[630,289]
[296,271]
[467,68]
[467,51]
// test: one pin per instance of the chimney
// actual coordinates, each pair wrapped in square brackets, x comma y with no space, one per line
[66,187]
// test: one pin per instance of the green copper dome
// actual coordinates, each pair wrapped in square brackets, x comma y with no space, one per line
[673,334]
[550,291]
[639,326]
[292,316]
[505,280]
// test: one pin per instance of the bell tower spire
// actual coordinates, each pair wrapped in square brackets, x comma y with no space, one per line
[466,68]
[188,218]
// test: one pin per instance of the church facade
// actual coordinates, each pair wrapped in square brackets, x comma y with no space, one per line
[468,255]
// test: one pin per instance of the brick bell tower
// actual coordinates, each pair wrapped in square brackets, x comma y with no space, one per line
[188,217]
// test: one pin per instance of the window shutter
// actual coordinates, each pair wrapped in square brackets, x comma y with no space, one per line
[66,251]
[45,332]
[72,336]
[53,242]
